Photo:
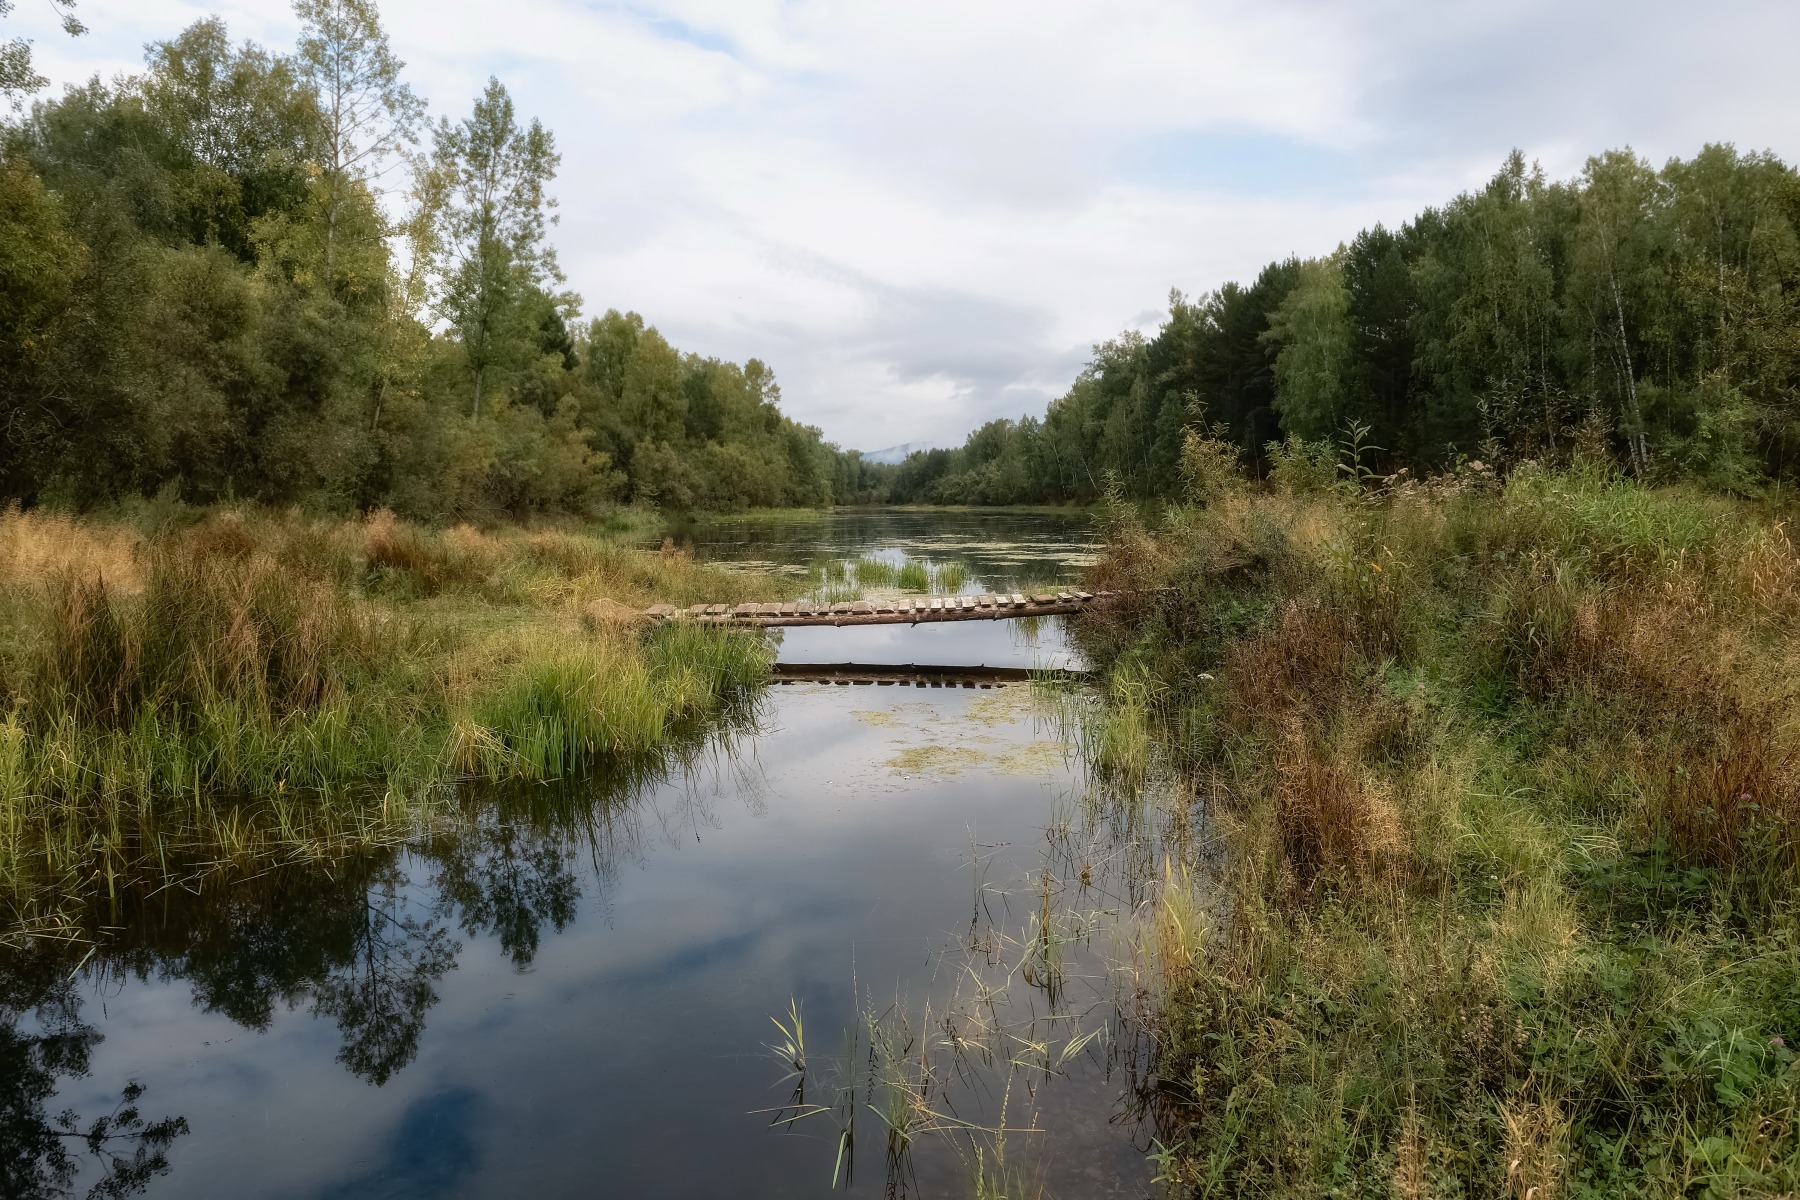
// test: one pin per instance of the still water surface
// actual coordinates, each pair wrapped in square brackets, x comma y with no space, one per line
[574,998]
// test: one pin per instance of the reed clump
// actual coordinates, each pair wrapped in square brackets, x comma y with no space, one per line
[239,688]
[1507,780]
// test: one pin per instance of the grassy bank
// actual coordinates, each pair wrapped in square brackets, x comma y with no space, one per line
[188,691]
[1503,801]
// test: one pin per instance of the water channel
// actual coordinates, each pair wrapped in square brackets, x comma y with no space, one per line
[575,997]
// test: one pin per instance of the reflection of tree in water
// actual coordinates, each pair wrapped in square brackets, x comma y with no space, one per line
[44,1040]
[511,870]
[381,994]
[511,881]
[354,940]
[340,941]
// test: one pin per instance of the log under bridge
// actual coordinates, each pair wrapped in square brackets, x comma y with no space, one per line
[905,611]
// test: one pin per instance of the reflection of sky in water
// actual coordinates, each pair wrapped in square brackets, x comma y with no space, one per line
[1040,642]
[623,1055]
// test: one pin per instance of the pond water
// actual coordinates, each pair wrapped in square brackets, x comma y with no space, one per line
[999,548]
[574,996]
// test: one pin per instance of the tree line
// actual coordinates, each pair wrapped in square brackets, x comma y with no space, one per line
[242,273]
[1654,311]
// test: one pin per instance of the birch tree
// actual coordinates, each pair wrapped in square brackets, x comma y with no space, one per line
[1312,330]
[366,114]
[490,250]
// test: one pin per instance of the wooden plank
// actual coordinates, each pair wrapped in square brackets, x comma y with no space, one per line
[1084,597]
[715,610]
[968,603]
[661,612]
[1064,598]
[884,606]
[1018,600]
[937,604]
[789,609]
[842,606]
[744,610]
[1041,598]
[862,606]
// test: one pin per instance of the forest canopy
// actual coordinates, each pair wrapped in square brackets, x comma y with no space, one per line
[1656,312]
[244,273]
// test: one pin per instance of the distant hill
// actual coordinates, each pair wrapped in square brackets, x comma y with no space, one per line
[893,454]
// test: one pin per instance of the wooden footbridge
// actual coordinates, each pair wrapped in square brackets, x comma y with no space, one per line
[915,675]
[909,611]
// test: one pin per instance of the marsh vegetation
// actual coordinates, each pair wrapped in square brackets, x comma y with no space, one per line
[1499,785]
[201,689]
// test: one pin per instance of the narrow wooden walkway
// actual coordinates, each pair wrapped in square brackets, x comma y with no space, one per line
[911,611]
[915,675]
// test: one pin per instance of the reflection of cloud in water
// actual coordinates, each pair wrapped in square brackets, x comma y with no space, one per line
[432,1152]
[692,959]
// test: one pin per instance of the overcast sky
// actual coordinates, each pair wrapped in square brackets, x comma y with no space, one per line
[923,215]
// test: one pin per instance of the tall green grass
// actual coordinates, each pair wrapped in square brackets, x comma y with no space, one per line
[845,579]
[949,578]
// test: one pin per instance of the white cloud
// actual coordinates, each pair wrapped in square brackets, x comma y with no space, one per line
[922,214]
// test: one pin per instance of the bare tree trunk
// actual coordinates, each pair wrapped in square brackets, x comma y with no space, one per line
[475,409]
[1640,448]
[331,218]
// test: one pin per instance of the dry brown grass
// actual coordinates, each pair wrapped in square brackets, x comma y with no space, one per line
[433,561]
[1738,784]
[38,546]
[1334,820]
[1298,668]
[1536,1147]
[233,625]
